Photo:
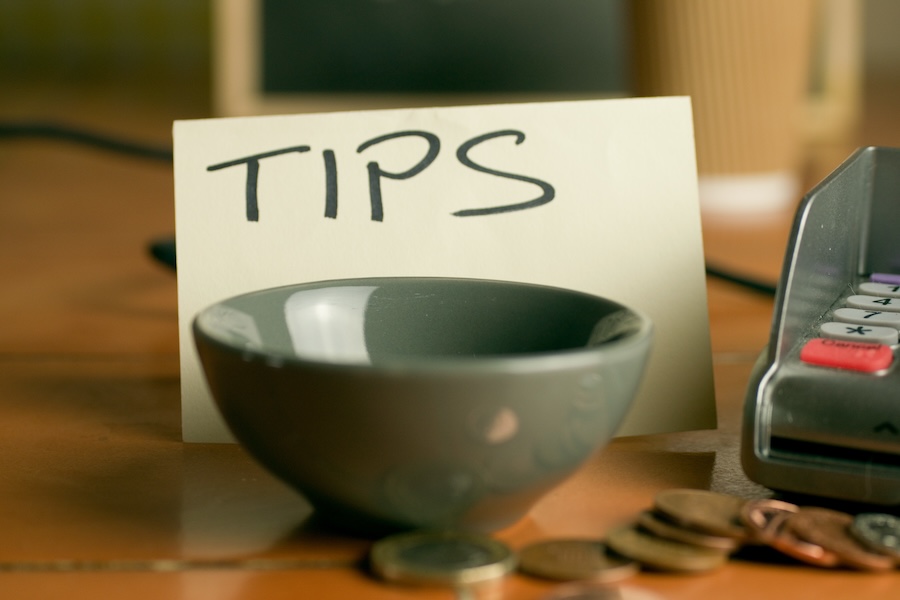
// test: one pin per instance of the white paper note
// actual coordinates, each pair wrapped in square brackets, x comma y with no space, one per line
[598,196]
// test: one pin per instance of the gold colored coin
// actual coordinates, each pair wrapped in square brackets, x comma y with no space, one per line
[704,510]
[662,554]
[660,526]
[575,559]
[441,558]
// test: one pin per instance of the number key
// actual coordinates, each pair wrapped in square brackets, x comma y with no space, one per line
[874,303]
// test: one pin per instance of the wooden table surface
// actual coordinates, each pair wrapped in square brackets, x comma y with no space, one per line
[100,498]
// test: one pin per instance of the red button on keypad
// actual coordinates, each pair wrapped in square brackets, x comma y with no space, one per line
[855,356]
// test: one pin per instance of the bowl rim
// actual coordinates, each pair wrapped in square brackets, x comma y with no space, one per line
[583,356]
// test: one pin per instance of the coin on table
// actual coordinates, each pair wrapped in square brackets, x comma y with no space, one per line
[658,525]
[592,591]
[764,517]
[441,558]
[575,559]
[583,591]
[878,531]
[711,512]
[662,554]
[780,537]
[830,529]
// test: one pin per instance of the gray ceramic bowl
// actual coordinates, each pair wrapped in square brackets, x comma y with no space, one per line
[399,403]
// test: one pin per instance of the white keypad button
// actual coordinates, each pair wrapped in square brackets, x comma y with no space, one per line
[859,333]
[881,303]
[867,317]
[880,289]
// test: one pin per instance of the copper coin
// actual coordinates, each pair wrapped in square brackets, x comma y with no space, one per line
[830,529]
[763,518]
[592,591]
[575,559]
[704,510]
[658,525]
[878,531]
[662,554]
[786,541]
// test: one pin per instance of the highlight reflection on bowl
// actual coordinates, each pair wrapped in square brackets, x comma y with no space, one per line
[398,403]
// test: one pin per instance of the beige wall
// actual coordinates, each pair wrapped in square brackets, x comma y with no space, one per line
[882,36]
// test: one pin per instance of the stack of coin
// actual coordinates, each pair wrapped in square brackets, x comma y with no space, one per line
[686,531]
[830,530]
[698,530]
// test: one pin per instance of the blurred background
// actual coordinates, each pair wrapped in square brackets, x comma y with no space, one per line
[176,54]
[171,39]
[105,40]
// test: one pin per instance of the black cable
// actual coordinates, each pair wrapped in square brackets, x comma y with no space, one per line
[163,249]
[757,285]
[55,131]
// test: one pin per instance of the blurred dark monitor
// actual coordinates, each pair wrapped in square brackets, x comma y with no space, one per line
[313,55]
